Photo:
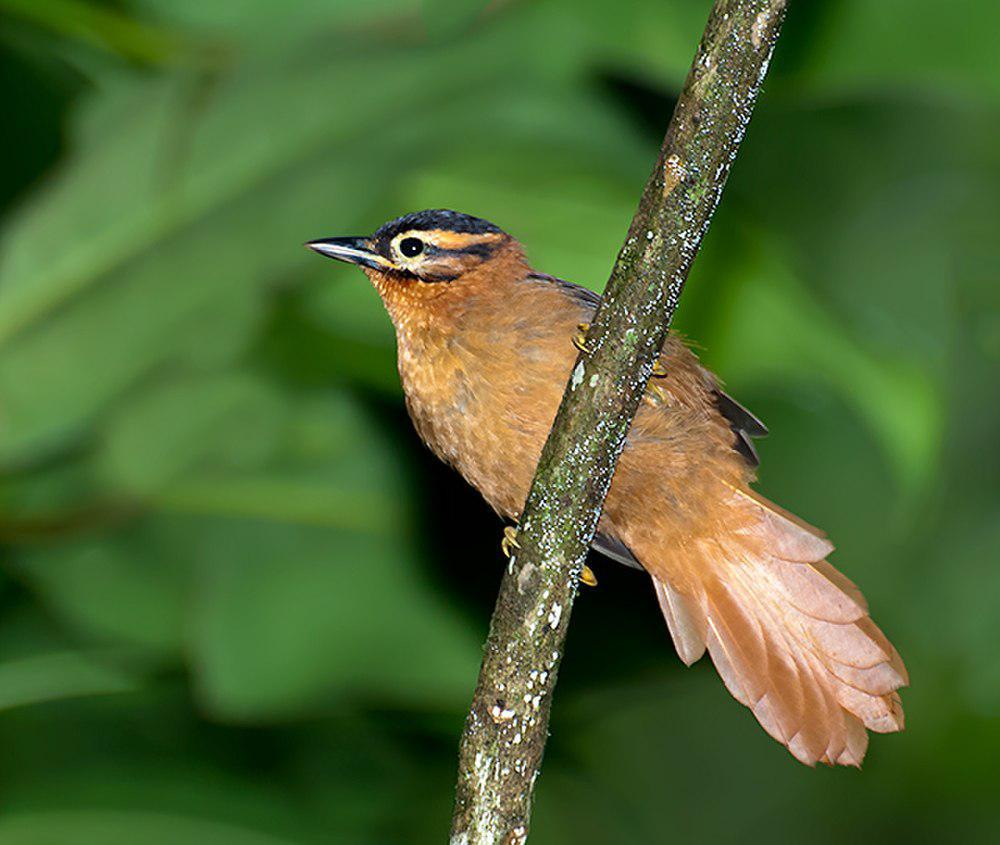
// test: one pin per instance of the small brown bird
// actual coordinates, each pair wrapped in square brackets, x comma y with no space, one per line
[485,347]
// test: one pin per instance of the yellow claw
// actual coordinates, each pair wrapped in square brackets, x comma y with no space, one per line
[654,396]
[509,541]
[580,338]
[659,370]
[588,577]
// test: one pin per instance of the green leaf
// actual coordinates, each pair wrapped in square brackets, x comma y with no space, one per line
[124,827]
[290,618]
[119,591]
[263,27]
[276,580]
[69,674]
[215,422]
[97,25]
[448,18]
[947,51]
[773,314]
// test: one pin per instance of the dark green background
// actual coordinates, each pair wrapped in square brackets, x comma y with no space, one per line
[241,604]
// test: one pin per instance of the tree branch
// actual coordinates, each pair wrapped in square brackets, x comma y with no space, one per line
[504,737]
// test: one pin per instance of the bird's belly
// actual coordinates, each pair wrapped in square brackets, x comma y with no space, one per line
[477,418]
[486,409]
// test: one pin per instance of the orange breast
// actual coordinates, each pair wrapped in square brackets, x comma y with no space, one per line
[483,382]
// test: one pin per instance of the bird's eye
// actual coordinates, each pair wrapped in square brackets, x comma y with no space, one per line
[411,247]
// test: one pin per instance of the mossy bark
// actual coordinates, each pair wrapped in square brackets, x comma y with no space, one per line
[505,734]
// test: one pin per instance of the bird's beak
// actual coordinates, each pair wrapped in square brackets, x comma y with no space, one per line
[351,250]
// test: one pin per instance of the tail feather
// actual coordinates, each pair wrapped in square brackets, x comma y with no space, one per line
[686,621]
[788,633]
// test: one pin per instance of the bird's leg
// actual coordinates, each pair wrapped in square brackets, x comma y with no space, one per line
[509,543]
[580,338]
[659,369]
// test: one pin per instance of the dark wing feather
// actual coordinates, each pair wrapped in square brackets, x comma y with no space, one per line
[744,425]
[744,445]
[614,549]
[585,296]
[739,416]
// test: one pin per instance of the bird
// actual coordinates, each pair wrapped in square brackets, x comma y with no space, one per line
[485,348]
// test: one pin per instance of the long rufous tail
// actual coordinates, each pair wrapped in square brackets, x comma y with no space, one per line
[788,633]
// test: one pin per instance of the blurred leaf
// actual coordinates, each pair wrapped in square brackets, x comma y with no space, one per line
[288,614]
[278,586]
[908,44]
[882,222]
[289,617]
[643,40]
[229,422]
[969,640]
[264,27]
[47,677]
[105,827]
[792,336]
[99,25]
[445,18]
[114,591]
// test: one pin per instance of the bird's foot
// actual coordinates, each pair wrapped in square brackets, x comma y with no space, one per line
[509,541]
[659,370]
[588,577]
[580,338]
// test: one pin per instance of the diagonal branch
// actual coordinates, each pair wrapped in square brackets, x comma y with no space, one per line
[504,738]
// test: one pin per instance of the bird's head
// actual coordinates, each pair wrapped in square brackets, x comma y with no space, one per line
[423,255]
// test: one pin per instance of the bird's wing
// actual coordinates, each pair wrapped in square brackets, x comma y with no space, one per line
[584,296]
[744,424]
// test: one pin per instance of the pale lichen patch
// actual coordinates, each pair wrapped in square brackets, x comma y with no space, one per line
[518,836]
[499,713]
[759,29]
[674,173]
[525,576]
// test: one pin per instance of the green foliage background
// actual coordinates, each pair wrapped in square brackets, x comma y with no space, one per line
[240,604]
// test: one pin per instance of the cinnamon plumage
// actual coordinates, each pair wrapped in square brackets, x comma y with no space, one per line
[485,349]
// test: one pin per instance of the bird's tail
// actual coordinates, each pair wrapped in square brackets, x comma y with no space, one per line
[788,633]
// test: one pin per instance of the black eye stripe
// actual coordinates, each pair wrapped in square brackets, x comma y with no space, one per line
[482,250]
